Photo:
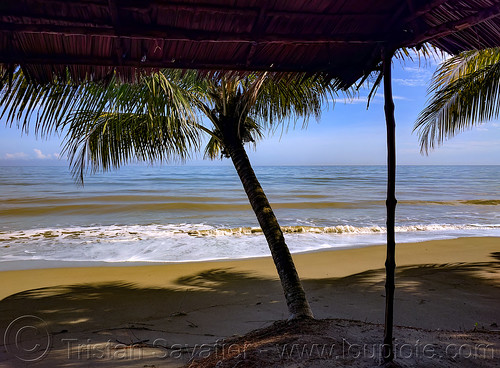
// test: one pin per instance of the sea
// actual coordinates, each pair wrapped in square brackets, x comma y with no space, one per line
[186,213]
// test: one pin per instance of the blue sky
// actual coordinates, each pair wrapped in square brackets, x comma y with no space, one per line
[347,134]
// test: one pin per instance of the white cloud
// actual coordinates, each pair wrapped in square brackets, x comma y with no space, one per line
[484,127]
[434,59]
[41,156]
[356,100]
[487,125]
[394,97]
[378,98]
[411,82]
[17,155]
[417,77]
[471,146]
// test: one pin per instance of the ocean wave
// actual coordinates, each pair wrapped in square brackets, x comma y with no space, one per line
[340,229]
[115,233]
[113,199]
[459,202]
[34,208]
[18,207]
[197,242]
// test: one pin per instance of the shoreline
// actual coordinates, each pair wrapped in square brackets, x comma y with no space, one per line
[310,265]
[24,265]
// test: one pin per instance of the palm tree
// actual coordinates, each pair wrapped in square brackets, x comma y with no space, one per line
[160,118]
[466,92]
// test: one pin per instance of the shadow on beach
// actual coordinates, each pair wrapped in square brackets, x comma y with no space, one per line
[89,321]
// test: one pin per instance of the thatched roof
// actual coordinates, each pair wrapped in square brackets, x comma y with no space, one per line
[343,38]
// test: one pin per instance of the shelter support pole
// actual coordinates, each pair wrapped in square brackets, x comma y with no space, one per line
[390,263]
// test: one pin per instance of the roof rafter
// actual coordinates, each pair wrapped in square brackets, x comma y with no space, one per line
[119,49]
[64,60]
[448,28]
[344,38]
[221,9]
[179,34]
[426,8]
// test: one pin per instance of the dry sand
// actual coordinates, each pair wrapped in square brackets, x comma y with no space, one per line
[159,316]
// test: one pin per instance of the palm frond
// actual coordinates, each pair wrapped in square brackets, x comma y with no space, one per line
[48,104]
[150,121]
[374,78]
[160,117]
[286,100]
[103,141]
[466,92]
[251,133]
[107,125]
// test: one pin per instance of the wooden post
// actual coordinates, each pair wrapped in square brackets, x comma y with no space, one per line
[390,263]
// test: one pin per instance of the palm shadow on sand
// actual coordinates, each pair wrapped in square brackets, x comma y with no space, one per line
[219,303]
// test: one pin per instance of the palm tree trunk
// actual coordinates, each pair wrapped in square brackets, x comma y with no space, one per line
[290,282]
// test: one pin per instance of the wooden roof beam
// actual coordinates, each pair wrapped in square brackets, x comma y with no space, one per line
[323,16]
[374,57]
[213,8]
[178,34]
[65,60]
[36,19]
[118,43]
[208,8]
[147,5]
[448,28]
[44,19]
[259,25]
[431,5]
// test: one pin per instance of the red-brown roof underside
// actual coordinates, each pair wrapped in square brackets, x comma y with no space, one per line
[342,38]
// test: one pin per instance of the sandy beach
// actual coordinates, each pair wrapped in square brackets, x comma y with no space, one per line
[158,315]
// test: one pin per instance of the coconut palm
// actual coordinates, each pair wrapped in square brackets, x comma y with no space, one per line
[163,117]
[466,92]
